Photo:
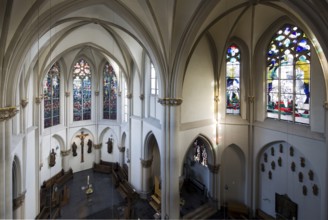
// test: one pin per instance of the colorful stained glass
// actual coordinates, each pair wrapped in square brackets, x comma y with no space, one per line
[233,80]
[81,91]
[288,76]
[200,152]
[51,93]
[110,93]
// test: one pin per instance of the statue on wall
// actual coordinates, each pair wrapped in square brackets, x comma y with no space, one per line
[52,158]
[74,147]
[89,146]
[110,145]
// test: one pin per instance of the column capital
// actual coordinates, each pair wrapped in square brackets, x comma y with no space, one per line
[129,96]
[142,96]
[8,113]
[251,99]
[325,105]
[18,201]
[121,149]
[67,93]
[146,163]
[97,146]
[65,152]
[214,168]
[96,92]
[170,101]
[24,102]
[38,99]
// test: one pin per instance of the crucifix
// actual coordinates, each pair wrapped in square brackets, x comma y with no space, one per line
[82,136]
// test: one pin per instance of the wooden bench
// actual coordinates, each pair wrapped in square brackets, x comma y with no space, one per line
[103,167]
[63,179]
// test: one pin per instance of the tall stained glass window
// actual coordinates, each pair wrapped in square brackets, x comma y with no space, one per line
[288,76]
[81,91]
[110,92]
[51,92]
[233,80]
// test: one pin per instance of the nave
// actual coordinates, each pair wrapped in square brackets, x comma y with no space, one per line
[107,203]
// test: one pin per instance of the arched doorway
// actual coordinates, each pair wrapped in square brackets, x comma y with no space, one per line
[233,170]
[195,181]
[17,195]
[150,162]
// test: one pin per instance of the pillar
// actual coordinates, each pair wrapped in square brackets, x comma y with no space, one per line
[214,183]
[146,178]
[97,148]
[6,202]
[170,208]
[65,159]
[121,156]
[325,193]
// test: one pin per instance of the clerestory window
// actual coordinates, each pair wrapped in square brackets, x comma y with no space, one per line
[288,76]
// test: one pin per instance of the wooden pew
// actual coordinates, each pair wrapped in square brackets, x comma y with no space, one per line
[103,167]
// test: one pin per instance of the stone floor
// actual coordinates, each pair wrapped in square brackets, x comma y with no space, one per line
[107,203]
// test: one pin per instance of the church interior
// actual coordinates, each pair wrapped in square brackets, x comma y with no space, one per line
[121,103]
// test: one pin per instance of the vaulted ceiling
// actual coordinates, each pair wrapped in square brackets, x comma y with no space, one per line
[121,30]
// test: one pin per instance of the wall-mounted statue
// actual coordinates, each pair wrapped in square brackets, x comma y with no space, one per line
[74,147]
[89,146]
[52,158]
[110,145]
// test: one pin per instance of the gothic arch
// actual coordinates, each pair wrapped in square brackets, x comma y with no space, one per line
[233,174]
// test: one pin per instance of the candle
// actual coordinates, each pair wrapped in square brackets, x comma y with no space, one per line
[88,180]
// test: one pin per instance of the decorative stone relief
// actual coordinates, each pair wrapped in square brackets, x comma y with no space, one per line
[97,146]
[146,163]
[7,113]
[24,103]
[65,152]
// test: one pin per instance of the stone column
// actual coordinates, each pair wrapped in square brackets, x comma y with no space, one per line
[146,177]
[214,183]
[97,148]
[121,157]
[170,208]
[65,159]
[6,202]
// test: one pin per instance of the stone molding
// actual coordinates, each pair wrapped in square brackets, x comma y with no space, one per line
[8,113]
[170,101]
[146,163]
[214,168]
[97,146]
[65,152]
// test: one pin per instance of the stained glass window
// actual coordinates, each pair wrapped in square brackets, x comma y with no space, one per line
[110,92]
[288,76]
[200,152]
[51,92]
[81,91]
[233,80]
